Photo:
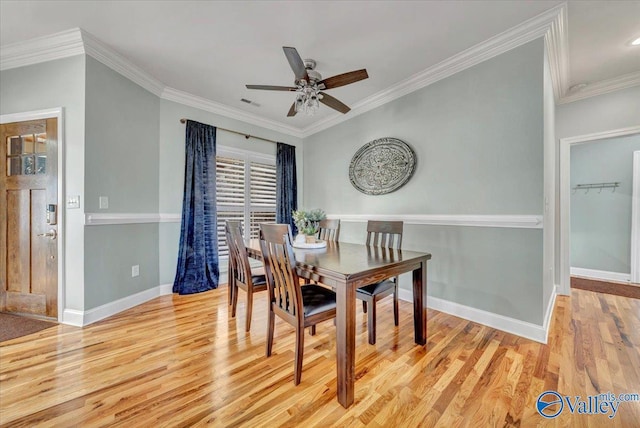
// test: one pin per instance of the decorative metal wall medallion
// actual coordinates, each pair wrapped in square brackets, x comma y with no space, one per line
[382,166]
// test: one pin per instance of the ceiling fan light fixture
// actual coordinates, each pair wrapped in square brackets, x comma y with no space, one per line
[308,83]
[307,101]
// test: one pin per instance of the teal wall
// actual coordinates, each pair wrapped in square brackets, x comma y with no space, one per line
[110,251]
[121,150]
[121,160]
[478,137]
[601,220]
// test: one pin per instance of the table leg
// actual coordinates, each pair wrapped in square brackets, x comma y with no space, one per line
[345,342]
[420,303]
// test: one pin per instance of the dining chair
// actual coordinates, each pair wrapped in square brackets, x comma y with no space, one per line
[385,235]
[242,276]
[300,306]
[329,230]
[228,224]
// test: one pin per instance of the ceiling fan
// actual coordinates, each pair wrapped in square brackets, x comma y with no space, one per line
[309,85]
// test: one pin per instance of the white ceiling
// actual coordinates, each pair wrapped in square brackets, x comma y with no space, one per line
[212,49]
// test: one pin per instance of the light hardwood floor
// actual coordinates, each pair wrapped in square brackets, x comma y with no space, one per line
[180,361]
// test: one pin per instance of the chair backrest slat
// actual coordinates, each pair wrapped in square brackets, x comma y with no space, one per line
[384,234]
[237,251]
[227,232]
[280,268]
[329,230]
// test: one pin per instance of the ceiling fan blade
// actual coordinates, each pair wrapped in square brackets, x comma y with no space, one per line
[296,63]
[272,88]
[334,103]
[344,79]
[292,110]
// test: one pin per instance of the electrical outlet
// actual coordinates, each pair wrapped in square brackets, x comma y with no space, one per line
[135,271]
[104,202]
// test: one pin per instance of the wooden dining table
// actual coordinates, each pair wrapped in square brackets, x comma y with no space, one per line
[346,267]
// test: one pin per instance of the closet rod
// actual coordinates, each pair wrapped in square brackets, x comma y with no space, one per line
[247,136]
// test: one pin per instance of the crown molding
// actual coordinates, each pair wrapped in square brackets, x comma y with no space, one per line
[557,44]
[551,24]
[529,30]
[603,87]
[70,43]
[118,63]
[41,49]
[195,101]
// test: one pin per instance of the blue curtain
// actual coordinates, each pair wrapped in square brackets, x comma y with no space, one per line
[286,185]
[198,253]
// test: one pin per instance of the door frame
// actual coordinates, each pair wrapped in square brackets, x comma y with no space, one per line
[635,220]
[565,202]
[57,113]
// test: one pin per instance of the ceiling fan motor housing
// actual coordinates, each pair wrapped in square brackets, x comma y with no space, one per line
[310,65]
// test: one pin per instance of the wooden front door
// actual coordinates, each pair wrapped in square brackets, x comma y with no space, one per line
[29,217]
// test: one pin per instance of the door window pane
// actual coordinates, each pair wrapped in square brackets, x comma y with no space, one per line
[41,143]
[28,165]
[41,164]
[21,158]
[14,145]
[14,166]
[28,144]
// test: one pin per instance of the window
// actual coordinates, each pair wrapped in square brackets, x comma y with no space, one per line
[245,191]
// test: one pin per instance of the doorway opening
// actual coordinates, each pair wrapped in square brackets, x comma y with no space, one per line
[565,211]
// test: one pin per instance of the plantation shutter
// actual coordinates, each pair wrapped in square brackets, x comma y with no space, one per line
[245,192]
[263,196]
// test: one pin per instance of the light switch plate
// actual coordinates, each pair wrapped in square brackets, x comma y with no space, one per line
[135,271]
[73,201]
[104,202]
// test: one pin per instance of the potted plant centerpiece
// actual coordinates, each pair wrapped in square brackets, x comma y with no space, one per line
[307,223]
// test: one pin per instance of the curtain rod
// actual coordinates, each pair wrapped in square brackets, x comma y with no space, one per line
[247,136]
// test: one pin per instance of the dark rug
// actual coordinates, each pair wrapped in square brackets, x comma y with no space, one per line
[12,326]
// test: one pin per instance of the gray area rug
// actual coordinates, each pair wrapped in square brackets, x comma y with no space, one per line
[12,326]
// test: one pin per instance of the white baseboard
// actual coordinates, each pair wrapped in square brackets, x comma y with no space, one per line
[72,317]
[524,329]
[82,318]
[548,315]
[601,274]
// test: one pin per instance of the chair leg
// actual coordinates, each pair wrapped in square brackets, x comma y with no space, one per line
[250,310]
[395,306]
[312,330]
[364,306]
[297,373]
[271,324]
[234,305]
[371,321]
